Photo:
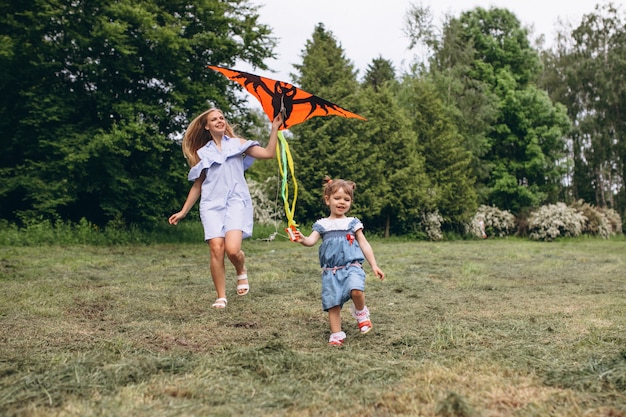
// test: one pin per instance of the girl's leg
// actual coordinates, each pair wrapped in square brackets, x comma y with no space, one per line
[334,316]
[236,256]
[358,298]
[337,337]
[218,272]
[360,312]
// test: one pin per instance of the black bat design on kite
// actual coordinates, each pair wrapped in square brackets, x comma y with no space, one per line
[275,97]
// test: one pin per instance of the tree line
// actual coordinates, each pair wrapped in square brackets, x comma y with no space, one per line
[95,96]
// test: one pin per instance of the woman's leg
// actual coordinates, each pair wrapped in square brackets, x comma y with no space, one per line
[236,256]
[218,271]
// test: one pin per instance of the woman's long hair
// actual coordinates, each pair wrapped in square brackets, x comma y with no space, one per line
[196,136]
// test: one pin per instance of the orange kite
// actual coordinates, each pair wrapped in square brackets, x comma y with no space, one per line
[278,96]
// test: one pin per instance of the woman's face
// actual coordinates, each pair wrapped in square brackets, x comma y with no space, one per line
[215,123]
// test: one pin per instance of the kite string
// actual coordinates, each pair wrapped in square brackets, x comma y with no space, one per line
[285,167]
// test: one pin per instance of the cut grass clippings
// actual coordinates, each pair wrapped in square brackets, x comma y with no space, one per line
[472,328]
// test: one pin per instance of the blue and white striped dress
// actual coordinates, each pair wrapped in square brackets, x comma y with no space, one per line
[225,202]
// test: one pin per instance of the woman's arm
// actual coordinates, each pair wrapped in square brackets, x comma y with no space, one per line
[192,197]
[270,150]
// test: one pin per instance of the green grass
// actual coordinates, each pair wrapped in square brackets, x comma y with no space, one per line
[466,328]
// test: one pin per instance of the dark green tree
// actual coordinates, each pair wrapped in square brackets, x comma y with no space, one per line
[393,180]
[527,141]
[470,103]
[379,73]
[325,145]
[93,94]
[380,155]
[484,61]
[447,162]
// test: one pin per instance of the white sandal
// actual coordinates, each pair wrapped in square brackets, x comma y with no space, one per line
[243,287]
[220,303]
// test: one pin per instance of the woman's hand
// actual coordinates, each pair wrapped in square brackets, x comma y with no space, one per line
[277,122]
[176,217]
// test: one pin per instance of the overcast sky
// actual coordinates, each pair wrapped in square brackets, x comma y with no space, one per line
[367,29]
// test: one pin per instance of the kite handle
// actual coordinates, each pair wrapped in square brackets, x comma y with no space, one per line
[291,232]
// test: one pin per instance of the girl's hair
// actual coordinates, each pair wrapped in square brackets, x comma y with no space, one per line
[331,186]
[196,136]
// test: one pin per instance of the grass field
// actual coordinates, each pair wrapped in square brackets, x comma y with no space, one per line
[473,328]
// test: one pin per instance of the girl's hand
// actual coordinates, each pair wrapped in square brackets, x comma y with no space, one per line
[379,273]
[297,236]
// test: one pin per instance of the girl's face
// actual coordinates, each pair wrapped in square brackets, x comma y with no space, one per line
[215,123]
[339,203]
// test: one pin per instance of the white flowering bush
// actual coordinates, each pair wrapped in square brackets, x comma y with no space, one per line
[266,210]
[597,223]
[614,220]
[555,220]
[492,221]
[431,223]
[600,222]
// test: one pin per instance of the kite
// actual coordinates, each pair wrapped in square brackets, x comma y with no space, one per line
[278,96]
[296,106]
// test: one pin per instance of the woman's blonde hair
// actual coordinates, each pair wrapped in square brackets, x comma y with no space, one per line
[331,186]
[196,136]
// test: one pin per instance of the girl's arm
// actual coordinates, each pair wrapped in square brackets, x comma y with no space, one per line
[192,197]
[307,240]
[270,150]
[369,253]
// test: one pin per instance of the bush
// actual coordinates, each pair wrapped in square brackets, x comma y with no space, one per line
[431,223]
[555,220]
[613,219]
[266,211]
[597,223]
[495,222]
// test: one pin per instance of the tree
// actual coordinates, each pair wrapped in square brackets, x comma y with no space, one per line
[379,73]
[582,73]
[325,145]
[392,172]
[447,162]
[485,60]
[94,92]
[470,103]
[379,155]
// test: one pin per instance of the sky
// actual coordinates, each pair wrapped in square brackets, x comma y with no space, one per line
[368,29]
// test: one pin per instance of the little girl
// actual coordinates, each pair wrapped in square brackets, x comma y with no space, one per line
[341,255]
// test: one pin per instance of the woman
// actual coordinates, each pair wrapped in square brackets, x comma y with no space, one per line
[218,159]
